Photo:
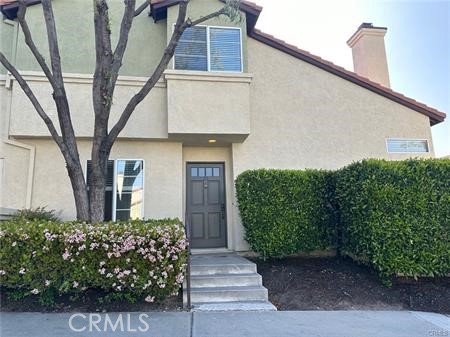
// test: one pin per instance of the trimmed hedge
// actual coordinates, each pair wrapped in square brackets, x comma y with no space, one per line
[127,261]
[395,215]
[285,212]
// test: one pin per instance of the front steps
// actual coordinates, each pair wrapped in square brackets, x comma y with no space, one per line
[226,281]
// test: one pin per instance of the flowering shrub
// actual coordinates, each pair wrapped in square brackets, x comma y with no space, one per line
[131,261]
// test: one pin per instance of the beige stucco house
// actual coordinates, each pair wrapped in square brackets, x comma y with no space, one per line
[233,99]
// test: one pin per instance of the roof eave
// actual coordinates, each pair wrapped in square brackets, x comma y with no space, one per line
[159,11]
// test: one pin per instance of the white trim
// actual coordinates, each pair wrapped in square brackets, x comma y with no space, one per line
[114,192]
[208,48]
[241,44]
[407,139]
[208,51]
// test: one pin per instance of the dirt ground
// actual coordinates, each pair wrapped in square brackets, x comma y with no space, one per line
[89,304]
[340,284]
[294,284]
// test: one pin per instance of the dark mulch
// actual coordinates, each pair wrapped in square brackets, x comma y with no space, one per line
[341,284]
[89,303]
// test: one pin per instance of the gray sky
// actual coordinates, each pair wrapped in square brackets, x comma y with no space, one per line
[417,42]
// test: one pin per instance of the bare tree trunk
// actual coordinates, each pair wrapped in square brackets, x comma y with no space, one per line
[97,187]
[79,192]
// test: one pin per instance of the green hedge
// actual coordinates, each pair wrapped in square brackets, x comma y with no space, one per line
[395,215]
[130,261]
[285,212]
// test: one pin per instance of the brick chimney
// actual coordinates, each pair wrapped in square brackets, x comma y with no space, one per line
[369,53]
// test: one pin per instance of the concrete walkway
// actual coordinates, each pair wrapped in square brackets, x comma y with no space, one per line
[229,324]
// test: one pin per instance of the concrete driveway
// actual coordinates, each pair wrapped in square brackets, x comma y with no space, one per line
[229,324]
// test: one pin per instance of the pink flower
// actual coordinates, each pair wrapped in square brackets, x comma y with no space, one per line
[180,278]
[66,255]
[150,299]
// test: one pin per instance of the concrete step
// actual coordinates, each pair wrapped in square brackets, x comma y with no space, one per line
[226,280]
[221,264]
[223,269]
[235,306]
[228,294]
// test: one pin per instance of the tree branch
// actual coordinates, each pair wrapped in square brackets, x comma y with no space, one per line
[30,43]
[125,27]
[52,37]
[29,93]
[180,26]
[221,11]
[141,8]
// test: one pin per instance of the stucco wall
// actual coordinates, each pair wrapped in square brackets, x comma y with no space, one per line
[304,117]
[75,19]
[51,185]
[208,103]
[149,120]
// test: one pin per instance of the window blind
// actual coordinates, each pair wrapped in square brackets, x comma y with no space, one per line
[407,145]
[225,49]
[209,49]
[192,50]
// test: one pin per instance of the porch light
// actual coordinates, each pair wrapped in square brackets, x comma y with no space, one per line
[212,141]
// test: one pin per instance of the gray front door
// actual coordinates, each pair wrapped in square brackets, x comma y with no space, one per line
[205,205]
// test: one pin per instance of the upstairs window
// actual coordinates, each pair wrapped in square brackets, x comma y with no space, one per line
[407,146]
[210,49]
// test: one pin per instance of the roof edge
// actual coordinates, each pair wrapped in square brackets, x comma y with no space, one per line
[10,10]
[435,115]
[252,11]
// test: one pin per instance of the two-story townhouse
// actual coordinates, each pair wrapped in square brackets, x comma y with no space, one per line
[232,99]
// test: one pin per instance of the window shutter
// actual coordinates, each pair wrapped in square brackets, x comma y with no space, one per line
[109,175]
[225,49]
[192,50]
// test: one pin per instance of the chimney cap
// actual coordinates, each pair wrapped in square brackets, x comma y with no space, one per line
[369,25]
[366,27]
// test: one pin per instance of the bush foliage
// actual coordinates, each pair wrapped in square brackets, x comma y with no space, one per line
[286,211]
[128,261]
[391,215]
[35,214]
[395,215]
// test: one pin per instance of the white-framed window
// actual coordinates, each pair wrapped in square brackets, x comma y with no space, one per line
[397,145]
[210,48]
[124,193]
